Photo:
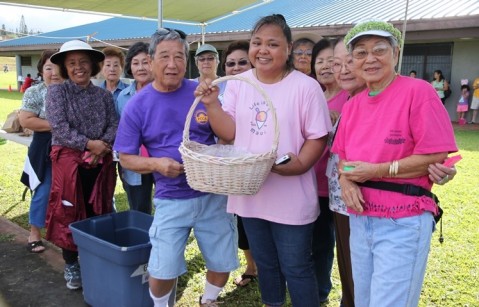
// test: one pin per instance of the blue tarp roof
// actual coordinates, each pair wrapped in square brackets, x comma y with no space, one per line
[299,14]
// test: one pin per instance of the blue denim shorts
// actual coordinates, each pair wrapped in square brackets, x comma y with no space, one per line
[214,230]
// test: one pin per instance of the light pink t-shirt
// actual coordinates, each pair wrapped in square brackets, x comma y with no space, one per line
[335,104]
[302,114]
[407,118]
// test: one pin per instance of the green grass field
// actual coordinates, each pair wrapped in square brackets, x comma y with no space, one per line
[9,78]
[453,267]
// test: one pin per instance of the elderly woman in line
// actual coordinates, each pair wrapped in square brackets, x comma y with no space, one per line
[343,70]
[138,187]
[37,174]
[388,136]
[84,123]
[207,61]
[112,69]
[302,55]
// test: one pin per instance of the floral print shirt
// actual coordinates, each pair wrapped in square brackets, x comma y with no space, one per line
[336,203]
[34,100]
[78,114]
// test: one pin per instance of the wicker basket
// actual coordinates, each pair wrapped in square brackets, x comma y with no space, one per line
[227,175]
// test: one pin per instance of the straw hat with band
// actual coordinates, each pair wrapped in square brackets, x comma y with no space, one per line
[76,45]
[376,28]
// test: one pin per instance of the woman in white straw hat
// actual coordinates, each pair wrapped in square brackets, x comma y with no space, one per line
[84,123]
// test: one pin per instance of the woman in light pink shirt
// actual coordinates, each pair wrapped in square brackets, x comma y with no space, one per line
[278,220]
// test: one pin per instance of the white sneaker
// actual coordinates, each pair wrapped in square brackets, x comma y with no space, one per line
[209,303]
[72,275]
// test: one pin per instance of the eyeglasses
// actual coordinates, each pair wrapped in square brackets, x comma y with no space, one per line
[206,58]
[377,51]
[337,66]
[166,31]
[240,63]
[300,52]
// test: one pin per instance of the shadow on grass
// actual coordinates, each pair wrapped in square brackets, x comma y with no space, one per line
[12,207]
[249,295]
[194,266]
[467,139]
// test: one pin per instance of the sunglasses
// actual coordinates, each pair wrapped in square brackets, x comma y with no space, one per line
[166,31]
[206,58]
[240,63]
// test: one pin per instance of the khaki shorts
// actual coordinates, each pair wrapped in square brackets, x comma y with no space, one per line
[475,103]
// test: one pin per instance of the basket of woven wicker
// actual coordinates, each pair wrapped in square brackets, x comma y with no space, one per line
[241,174]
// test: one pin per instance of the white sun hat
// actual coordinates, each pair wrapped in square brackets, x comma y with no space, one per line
[373,27]
[76,45]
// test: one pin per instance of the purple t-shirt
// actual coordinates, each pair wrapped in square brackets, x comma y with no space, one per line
[156,120]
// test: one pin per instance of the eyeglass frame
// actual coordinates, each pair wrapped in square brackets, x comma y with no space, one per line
[346,64]
[380,53]
[231,64]
[205,58]
[300,52]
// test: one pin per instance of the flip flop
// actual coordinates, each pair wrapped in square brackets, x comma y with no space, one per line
[244,280]
[31,246]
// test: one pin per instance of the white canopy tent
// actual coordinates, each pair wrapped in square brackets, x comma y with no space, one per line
[190,12]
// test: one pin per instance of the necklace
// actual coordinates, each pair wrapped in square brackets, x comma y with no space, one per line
[376,92]
[285,73]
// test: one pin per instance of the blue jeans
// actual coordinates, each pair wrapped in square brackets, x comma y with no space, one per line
[39,202]
[139,196]
[283,256]
[389,258]
[323,248]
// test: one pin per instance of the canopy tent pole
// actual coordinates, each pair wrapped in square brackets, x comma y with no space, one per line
[160,14]
[403,37]
[203,32]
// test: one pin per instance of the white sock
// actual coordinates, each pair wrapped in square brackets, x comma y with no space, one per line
[160,301]
[211,292]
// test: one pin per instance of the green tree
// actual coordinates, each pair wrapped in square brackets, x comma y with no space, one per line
[3,31]
[23,30]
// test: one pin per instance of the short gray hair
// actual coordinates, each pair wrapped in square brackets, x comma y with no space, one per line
[169,35]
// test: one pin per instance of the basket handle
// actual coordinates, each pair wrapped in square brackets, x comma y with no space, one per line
[186,130]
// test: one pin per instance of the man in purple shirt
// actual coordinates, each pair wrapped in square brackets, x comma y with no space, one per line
[155,118]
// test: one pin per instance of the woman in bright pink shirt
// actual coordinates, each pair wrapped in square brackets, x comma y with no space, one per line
[388,136]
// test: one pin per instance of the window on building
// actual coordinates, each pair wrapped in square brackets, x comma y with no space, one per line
[426,58]
[26,61]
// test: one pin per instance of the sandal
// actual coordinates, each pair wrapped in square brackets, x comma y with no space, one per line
[32,246]
[244,280]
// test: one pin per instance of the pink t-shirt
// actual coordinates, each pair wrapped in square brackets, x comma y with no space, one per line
[335,104]
[302,114]
[407,118]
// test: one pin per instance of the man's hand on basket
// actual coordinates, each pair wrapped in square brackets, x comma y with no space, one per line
[209,93]
[168,167]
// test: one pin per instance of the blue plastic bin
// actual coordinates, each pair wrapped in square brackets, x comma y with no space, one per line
[114,251]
